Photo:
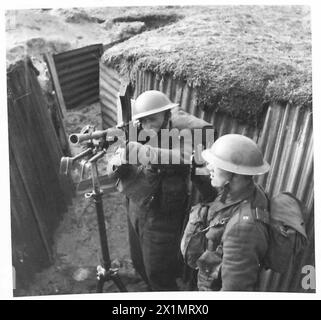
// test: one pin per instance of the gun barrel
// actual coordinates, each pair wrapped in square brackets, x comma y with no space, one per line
[76,138]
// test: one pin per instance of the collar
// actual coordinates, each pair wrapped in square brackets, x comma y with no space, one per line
[242,194]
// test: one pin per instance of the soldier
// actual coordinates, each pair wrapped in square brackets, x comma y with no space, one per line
[236,236]
[157,187]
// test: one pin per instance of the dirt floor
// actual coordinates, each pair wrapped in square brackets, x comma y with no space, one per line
[77,250]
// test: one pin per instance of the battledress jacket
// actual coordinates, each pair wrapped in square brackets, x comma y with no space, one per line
[140,182]
[237,242]
[158,195]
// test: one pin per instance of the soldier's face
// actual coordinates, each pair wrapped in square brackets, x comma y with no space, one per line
[218,176]
[153,122]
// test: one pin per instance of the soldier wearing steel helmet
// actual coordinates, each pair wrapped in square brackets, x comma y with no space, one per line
[158,192]
[236,237]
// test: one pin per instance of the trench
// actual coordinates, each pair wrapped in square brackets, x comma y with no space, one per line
[76,241]
[149,22]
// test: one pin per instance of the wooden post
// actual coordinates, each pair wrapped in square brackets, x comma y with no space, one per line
[60,104]
[124,95]
[125,100]
[54,76]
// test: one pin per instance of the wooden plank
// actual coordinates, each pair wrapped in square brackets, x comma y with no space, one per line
[125,95]
[39,125]
[65,183]
[49,159]
[25,233]
[54,76]
[42,116]
[25,172]
[26,139]
[61,130]
[37,193]
[28,253]
[51,140]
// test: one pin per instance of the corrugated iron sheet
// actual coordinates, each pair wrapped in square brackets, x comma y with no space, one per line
[78,73]
[286,140]
[177,90]
[109,89]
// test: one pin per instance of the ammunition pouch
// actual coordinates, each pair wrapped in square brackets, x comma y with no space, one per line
[210,263]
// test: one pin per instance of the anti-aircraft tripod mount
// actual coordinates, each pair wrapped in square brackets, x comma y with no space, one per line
[97,143]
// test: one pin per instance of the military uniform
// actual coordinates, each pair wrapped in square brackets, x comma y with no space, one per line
[237,241]
[158,197]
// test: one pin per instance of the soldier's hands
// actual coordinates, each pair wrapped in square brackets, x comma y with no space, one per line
[115,160]
[140,154]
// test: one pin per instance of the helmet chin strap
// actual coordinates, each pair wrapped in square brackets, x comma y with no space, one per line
[166,119]
[226,189]
[164,125]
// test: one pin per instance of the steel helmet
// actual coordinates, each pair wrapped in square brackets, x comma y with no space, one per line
[238,154]
[151,102]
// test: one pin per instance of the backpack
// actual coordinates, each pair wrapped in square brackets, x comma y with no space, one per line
[286,229]
[287,234]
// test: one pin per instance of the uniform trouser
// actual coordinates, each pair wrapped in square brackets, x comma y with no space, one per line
[154,239]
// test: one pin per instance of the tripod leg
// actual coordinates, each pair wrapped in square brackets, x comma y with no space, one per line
[100,285]
[108,273]
[116,279]
[102,229]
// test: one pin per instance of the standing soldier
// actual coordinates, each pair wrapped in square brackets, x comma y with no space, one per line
[158,189]
[236,234]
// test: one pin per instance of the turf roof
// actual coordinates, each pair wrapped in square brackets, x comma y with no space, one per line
[241,58]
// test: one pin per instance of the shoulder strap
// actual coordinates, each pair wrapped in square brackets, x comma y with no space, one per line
[222,221]
[221,206]
[247,213]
